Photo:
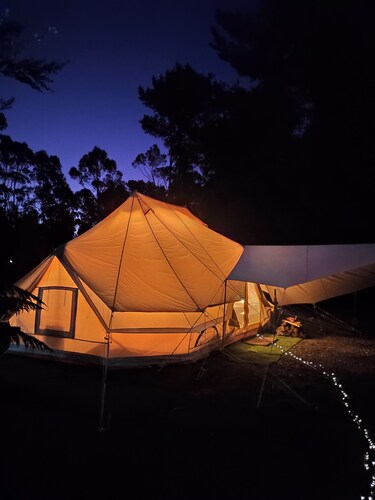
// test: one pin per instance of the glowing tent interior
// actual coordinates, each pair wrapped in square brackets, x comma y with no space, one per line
[146,284]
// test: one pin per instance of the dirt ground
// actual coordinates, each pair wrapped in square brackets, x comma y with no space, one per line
[219,428]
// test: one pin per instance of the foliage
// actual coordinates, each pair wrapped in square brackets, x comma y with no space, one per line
[94,170]
[148,188]
[206,127]
[103,187]
[54,198]
[5,104]
[153,166]
[30,216]
[308,65]
[13,300]
[36,73]
[183,101]
[16,160]
[289,145]
[37,206]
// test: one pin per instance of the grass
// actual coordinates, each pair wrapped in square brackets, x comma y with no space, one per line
[263,354]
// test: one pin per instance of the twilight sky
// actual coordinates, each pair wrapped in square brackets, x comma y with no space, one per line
[112,46]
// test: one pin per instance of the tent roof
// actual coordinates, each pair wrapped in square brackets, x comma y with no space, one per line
[149,255]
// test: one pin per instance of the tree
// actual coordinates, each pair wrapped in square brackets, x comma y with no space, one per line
[153,166]
[17,200]
[4,106]
[103,187]
[308,64]
[182,102]
[215,142]
[274,154]
[54,199]
[37,208]
[36,73]
[18,207]
[94,170]
[16,162]
[148,188]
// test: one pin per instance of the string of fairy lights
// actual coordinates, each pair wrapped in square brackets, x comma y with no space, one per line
[369,456]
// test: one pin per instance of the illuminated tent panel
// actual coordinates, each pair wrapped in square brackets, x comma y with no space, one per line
[147,249]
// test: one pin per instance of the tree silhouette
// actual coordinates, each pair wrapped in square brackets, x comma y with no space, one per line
[308,64]
[182,101]
[103,187]
[35,73]
[54,199]
[153,166]
[16,163]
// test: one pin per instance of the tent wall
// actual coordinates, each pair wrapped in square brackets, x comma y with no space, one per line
[136,338]
[88,333]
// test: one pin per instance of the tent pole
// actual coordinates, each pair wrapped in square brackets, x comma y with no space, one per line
[104,384]
[354,320]
[225,300]
[246,307]
[262,387]
[273,323]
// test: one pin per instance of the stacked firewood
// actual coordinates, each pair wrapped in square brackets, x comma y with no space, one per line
[290,327]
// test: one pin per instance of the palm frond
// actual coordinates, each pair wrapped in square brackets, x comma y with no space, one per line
[16,337]
[14,299]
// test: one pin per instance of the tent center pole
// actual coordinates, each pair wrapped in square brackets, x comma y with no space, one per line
[104,383]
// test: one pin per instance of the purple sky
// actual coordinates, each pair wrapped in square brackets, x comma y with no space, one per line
[113,47]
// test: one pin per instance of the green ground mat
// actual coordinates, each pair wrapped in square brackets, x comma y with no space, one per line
[263,354]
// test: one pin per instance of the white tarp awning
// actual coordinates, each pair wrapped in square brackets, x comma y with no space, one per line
[307,273]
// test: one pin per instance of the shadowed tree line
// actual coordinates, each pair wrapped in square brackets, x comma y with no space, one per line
[284,156]
[287,154]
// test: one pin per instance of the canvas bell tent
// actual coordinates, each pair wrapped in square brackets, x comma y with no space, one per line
[307,274]
[146,284]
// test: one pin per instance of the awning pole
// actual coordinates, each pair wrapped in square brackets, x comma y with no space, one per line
[273,324]
[246,306]
[224,323]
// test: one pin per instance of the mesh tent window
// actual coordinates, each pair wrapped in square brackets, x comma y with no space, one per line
[57,317]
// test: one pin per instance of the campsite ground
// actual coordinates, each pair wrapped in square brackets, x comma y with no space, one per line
[229,427]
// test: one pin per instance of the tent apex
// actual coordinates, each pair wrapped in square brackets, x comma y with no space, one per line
[59,251]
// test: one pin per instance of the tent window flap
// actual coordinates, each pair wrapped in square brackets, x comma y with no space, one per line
[57,318]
